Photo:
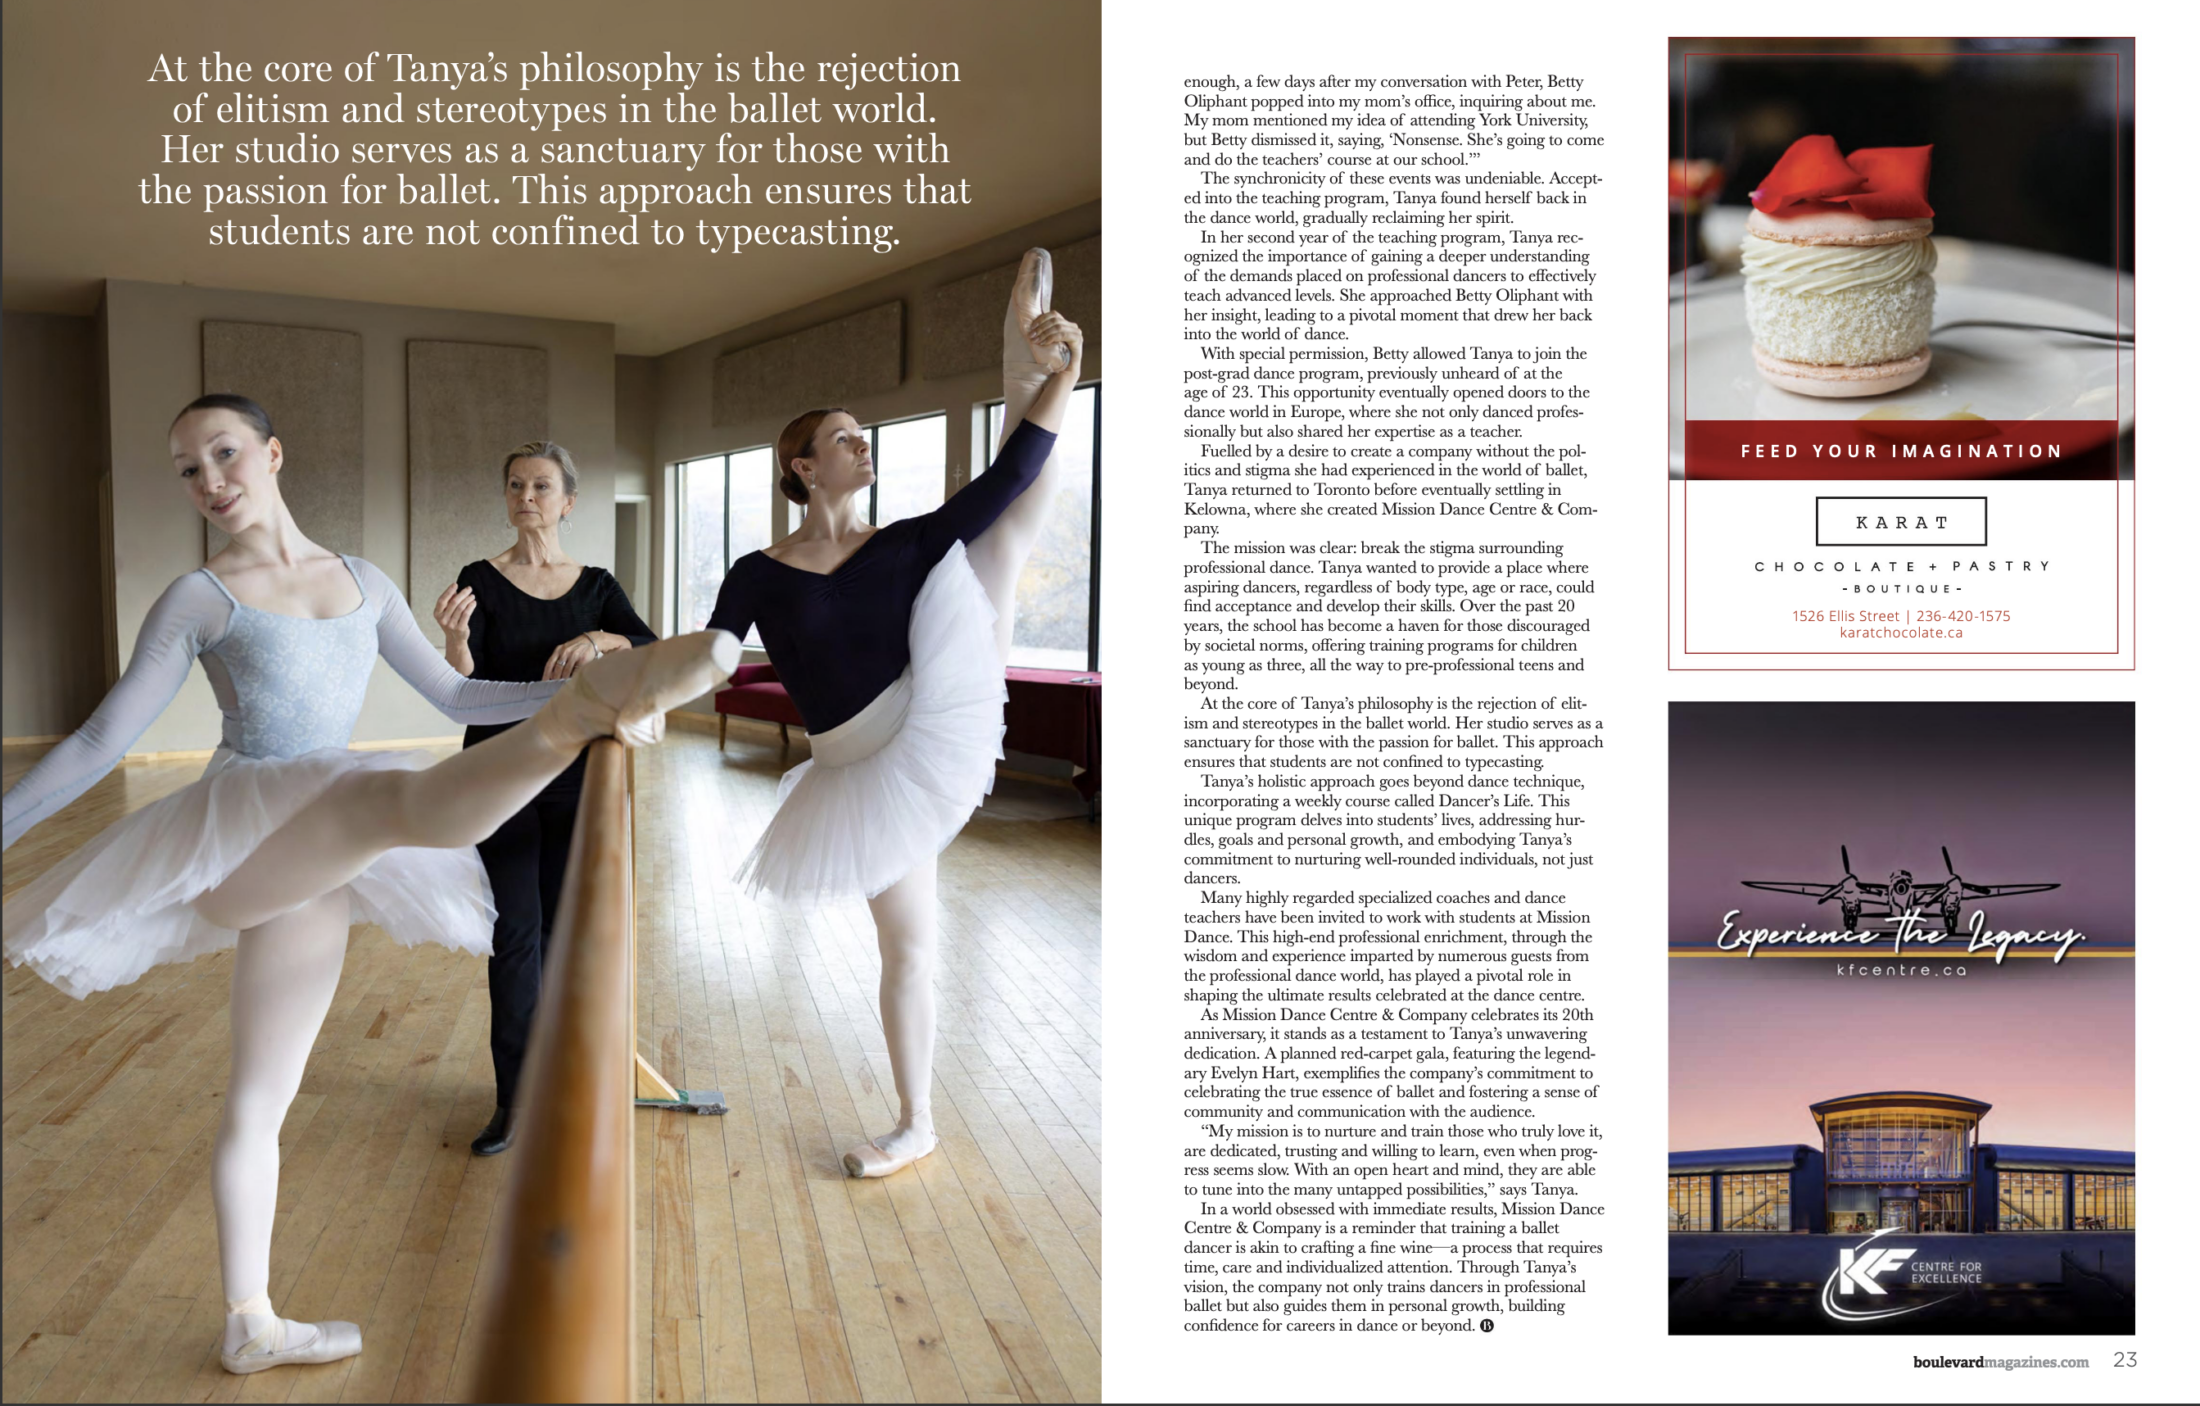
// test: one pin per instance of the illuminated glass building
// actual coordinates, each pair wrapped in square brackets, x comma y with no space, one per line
[1902,1160]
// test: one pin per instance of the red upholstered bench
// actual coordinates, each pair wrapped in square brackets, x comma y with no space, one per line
[1056,713]
[1050,713]
[755,691]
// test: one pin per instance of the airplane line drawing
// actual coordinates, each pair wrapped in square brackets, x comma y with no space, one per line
[1901,894]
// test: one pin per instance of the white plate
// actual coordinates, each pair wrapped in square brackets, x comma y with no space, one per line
[1989,372]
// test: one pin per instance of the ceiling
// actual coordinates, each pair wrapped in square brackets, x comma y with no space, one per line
[83,127]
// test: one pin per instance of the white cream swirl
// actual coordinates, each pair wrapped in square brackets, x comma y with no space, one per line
[1834,268]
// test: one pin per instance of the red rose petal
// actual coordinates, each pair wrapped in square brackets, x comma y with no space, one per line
[1810,169]
[1895,180]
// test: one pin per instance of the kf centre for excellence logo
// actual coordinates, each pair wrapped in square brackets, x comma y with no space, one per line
[1858,1275]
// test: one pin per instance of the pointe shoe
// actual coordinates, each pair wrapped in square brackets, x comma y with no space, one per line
[1032,298]
[625,694]
[870,1160]
[331,1342]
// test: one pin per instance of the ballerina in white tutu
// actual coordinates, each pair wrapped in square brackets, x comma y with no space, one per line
[892,642]
[289,838]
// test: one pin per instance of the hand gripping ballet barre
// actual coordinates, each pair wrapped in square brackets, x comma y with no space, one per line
[560,1311]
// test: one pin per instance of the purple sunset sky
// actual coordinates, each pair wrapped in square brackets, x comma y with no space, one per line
[1753,1043]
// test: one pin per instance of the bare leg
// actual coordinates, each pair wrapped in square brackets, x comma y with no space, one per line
[286,973]
[461,800]
[999,553]
[907,916]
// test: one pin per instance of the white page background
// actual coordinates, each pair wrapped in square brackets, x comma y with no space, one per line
[1613,1345]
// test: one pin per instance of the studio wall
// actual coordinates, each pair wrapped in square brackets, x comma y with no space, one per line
[310,382]
[52,659]
[153,365]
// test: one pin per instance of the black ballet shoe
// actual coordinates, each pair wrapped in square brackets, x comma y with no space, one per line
[497,1136]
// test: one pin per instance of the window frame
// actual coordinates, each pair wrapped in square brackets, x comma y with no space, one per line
[878,461]
[676,530]
[1778,1192]
[679,533]
[1688,1194]
[989,449]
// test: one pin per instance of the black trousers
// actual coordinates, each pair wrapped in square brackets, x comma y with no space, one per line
[526,863]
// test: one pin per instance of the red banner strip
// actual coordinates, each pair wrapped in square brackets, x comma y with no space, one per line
[1901,449]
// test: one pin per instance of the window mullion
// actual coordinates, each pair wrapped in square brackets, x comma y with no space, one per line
[1092,610]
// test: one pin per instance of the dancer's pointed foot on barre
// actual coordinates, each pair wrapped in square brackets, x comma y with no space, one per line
[888,1153]
[625,694]
[1031,299]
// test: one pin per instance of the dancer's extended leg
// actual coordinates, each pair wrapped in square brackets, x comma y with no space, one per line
[285,975]
[907,916]
[461,800]
[999,553]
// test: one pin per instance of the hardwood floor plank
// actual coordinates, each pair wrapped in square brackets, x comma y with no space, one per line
[763,1274]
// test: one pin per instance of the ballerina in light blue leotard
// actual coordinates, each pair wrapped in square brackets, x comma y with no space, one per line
[290,837]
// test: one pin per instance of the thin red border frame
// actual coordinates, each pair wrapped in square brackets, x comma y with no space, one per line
[2117,585]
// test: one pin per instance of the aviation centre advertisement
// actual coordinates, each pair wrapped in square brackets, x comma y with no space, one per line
[1901,963]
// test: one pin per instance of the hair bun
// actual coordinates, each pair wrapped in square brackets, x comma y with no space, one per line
[795,442]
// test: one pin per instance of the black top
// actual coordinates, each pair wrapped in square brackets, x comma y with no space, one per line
[839,640]
[513,634]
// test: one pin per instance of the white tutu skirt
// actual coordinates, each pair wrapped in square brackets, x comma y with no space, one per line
[892,786]
[121,905]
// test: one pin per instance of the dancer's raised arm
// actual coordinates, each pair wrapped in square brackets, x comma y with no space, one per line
[191,615]
[457,697]
[982,501]
[1025,450]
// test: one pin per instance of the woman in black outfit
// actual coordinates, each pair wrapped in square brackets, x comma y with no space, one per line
[530,613]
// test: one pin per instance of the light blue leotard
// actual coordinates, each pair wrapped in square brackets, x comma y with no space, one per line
[287,684]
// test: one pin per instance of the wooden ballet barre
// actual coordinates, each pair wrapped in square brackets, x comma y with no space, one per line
[560,1319]
[651,1089]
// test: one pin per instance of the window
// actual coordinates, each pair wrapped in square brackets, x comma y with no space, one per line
[1058,596]
[2031,1201]
[2104,1202]
[1852,1210]
[909,468]
[910,459]
[1755,1201]
[725,513]
[1943,1212]
[1898,1144]
[702,539]
[1687,1203]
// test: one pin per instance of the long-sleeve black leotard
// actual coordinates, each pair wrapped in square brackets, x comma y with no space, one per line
[839,639]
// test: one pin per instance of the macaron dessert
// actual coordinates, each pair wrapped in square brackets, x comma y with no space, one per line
[1838,269]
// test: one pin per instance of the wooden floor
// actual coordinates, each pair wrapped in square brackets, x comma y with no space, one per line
[763,1273]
